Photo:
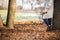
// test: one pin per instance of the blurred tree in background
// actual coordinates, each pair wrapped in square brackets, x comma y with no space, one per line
[1,22]
[11,13]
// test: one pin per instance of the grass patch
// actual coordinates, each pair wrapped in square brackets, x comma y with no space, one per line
[3,11]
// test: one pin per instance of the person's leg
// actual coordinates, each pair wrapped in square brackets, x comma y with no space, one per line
[48,23]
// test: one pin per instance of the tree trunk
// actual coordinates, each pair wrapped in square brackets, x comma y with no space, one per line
[11,13]
[56,18]
[1,22]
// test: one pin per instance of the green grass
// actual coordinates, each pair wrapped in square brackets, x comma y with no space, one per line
[3,11]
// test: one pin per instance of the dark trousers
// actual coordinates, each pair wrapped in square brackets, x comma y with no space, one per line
[47,21]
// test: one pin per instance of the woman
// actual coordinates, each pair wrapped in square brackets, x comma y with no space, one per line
[48,14]
[46,10]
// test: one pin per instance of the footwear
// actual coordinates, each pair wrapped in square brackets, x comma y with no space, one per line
[49,28]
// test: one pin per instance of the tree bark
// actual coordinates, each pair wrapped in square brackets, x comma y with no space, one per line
[56,18]
[1,22]
[11,13]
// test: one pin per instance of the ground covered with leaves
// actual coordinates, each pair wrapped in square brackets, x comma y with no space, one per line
[28,32]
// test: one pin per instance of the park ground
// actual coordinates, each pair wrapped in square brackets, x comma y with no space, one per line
[28,31]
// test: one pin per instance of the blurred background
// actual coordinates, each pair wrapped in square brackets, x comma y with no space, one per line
[25,10]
